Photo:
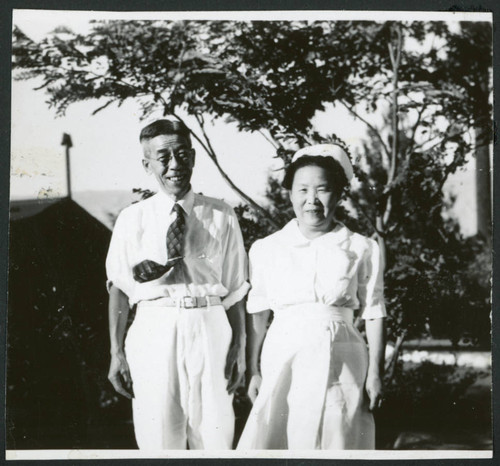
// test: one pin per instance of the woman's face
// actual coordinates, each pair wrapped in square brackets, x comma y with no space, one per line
[313,199]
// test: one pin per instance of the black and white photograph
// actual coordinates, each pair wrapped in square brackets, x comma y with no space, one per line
[250,234]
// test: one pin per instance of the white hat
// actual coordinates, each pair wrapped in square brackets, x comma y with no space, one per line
[328,150]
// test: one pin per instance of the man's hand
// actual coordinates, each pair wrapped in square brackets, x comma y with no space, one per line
[235,366]
[119,375]
[254,387]
[373,387]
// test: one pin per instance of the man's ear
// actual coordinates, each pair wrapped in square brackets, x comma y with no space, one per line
[146,165]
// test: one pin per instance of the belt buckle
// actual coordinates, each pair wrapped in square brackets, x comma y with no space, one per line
[189,302]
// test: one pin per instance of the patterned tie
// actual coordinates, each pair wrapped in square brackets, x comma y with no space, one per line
[175,237]
[149,270]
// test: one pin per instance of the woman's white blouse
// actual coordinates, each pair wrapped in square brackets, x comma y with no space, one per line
[339,268]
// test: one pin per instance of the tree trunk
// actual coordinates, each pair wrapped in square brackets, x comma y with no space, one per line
[391,366]
[483,170]
[483,191]
[381,241]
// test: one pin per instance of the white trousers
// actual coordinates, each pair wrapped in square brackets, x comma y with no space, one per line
[177,359]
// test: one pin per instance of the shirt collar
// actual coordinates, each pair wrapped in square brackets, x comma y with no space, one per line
[186,202]
[296,238]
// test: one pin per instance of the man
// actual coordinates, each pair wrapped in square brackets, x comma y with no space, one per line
[179,256]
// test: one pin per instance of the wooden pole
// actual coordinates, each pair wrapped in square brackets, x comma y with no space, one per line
[66,141]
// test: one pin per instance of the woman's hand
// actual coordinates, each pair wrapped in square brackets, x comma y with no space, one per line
[375,334]
[374,388]
[254,387]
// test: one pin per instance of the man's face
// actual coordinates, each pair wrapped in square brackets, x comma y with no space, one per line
[170,159]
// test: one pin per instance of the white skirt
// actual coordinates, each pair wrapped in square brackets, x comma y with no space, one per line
[314,364]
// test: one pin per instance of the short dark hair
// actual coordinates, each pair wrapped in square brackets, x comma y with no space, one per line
[167,127]
[334,170]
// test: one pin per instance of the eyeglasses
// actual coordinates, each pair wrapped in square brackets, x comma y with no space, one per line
[182,156]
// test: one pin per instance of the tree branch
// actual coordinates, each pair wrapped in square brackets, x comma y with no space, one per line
[439,140]
[395,92]
[271,141]
[447,171]
[365,214]
[201,124]
[395,60]
[102,107]
[409,150]
[210,152]
[386,155]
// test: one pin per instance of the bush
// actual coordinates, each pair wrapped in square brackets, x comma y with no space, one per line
[432,396]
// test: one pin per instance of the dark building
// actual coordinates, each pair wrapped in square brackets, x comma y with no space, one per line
[58,395]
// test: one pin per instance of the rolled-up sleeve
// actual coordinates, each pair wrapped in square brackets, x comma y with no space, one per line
[371,283]
[257,297]
[234,264]
[118,271]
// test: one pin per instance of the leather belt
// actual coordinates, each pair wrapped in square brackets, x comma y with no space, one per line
[185,302]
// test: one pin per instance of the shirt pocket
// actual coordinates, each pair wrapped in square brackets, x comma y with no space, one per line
[203,256]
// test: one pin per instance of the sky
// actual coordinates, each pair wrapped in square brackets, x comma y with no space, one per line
[106,154]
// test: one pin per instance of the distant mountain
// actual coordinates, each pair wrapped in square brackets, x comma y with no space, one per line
[102,205]
[105,205]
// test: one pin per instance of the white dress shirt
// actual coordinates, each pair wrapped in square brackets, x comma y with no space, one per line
[215,262]
[339,268]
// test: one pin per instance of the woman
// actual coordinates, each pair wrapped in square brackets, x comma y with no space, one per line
[318,382]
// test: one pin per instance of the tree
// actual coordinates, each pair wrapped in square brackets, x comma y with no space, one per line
[272,77]
[408,185]
[471,52]
[151,62]
[420,104]
[422,138]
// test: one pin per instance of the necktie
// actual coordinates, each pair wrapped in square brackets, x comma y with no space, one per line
[175,236]
[149,270]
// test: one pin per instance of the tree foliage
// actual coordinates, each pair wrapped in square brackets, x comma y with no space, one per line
[422,90]
[418,87]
